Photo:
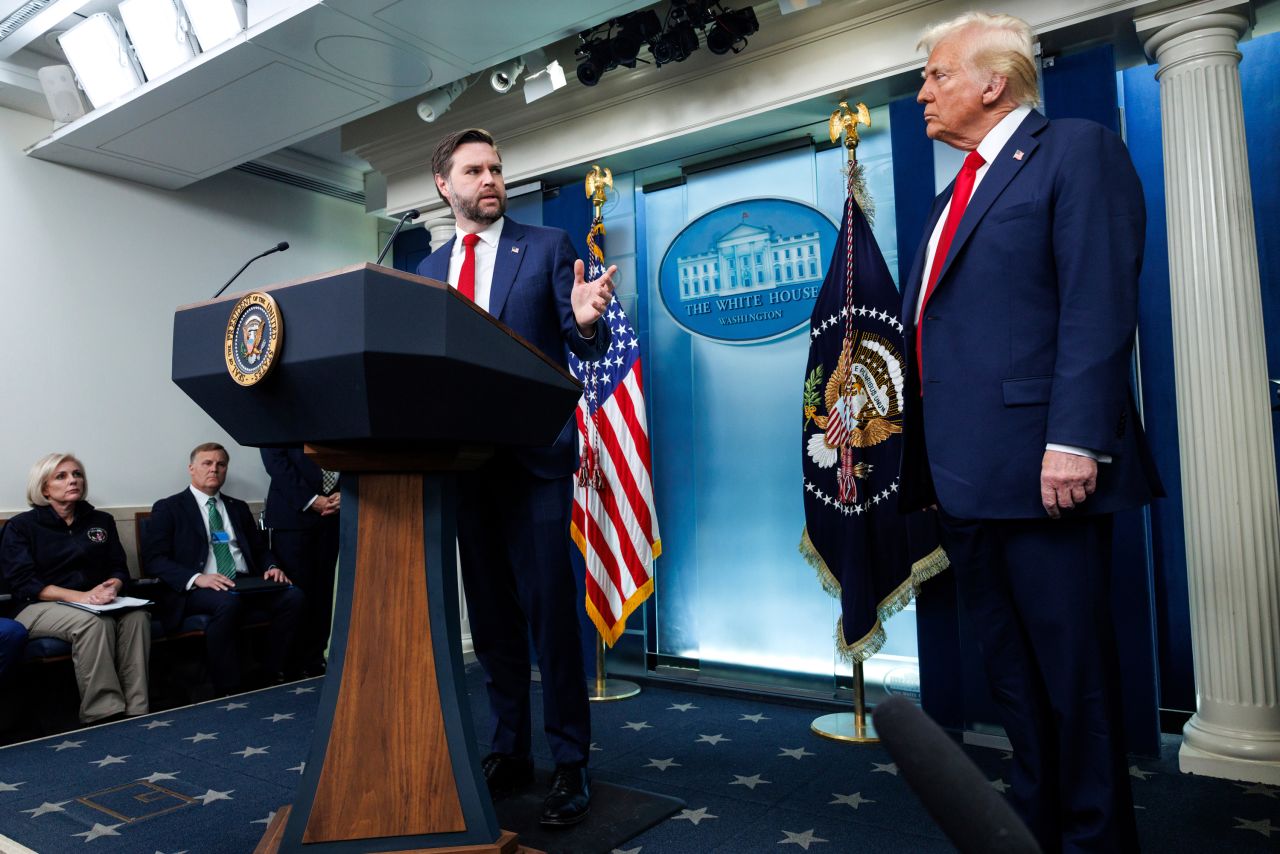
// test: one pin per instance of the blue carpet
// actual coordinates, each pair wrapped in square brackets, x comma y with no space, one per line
[205,780]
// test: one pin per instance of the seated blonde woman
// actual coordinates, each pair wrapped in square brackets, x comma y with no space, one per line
[61,551]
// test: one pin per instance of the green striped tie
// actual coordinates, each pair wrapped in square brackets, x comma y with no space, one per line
[221,550]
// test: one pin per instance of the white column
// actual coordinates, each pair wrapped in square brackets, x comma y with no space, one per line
[441,226]
[1224,421]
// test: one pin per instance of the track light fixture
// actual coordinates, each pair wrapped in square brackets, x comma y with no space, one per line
[438,101]
[504,77]
[618,41]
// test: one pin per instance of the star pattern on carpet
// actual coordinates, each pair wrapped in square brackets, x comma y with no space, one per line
[212,795]
[886,767]
[1000,785]
[711,739]
[804,840]
[595,747]
[202,736]
[251,751]
[155,724]
[157,776]
[100,830]
[1262,826]
[681,707]
[755,719]
[795,752]
[300,767]
[47,807]
[1140,774]
[110,760]
[183,851]
[277,717]
[855,800]
[637,725]
[635,850]
[10,787]
[694,816]
[300,691]
[750,782]
[663,764]
[266,820]
[1259,789]
[231,707]
[66,745]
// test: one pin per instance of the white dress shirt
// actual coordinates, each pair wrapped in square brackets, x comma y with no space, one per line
[486,255]
[990,148]
[211,563]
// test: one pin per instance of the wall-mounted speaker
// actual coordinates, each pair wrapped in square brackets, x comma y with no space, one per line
[59,86]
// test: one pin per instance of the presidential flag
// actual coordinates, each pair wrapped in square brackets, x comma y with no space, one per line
[614,523]
[866,553]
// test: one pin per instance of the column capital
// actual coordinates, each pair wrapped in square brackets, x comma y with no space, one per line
[441,224]
[1229,19]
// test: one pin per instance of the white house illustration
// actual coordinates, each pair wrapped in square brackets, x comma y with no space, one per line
[747,259]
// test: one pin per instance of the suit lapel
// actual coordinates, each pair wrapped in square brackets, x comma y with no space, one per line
[1001,171]
[437,264]
[511,252]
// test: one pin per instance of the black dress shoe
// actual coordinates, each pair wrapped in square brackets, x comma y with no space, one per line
[506,774]
[569,799]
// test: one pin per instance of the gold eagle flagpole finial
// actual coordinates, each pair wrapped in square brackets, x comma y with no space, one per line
[845,121]
[599,181]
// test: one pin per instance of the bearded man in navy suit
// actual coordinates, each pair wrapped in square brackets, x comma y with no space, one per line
[513,514]
[1021,311]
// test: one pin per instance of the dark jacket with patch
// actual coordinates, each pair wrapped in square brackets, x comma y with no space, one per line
[39,549]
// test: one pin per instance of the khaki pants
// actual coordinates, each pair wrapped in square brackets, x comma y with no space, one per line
[110,654]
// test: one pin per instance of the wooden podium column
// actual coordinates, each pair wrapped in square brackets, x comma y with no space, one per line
[393,764]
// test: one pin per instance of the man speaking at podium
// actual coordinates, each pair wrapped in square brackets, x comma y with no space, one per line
[513,514]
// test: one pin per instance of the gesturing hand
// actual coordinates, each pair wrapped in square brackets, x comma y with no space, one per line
[1066,480]
[590,299]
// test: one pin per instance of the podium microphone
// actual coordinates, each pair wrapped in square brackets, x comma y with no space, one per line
[953,789]
[409,216]
[279,247]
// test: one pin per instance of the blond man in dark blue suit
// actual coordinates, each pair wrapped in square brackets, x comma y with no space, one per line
[513,515]
[1021,310]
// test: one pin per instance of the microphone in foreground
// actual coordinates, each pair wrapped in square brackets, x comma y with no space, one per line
[279,247]
[409,216]
[955,791]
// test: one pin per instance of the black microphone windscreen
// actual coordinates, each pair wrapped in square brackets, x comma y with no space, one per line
[952,788]
[282,245]
[412,215]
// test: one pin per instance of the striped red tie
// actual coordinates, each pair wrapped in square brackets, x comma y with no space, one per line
[959,201]
[467,275]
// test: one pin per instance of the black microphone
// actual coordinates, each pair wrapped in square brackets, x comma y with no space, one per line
[954,790]
[409,216]
[279,247]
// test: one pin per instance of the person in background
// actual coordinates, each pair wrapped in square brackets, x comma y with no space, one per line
[63,552]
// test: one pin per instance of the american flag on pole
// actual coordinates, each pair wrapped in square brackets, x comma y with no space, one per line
[614,523]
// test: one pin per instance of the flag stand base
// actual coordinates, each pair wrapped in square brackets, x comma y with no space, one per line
[604,690]
[853,727]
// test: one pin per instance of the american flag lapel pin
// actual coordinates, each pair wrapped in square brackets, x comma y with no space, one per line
[516,249]
[1017,155]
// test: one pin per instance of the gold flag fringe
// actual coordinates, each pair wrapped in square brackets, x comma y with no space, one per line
[858,186]
[869,644]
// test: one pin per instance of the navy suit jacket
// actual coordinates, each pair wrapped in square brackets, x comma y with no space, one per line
[532,283]
[176,545]
[295,480]
[1028,335]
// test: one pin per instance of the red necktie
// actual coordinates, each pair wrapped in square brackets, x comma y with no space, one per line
[467,275]
[959,201]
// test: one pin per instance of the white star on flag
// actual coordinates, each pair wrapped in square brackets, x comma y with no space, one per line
[100,830]
[711,739]
[693,816]
[637,725]
[211,796]
[750,782]
[47,807]
[157,776]
[202,736]
[110,760]
[855,800]
[155,724]
[795,752]
[804,840]
[250,751]
[663,764]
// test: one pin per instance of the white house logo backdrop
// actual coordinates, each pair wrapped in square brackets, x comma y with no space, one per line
[747,271]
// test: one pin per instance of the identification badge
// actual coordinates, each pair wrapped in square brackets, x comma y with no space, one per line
[221,537]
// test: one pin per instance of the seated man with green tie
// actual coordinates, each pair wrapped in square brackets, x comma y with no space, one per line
[199,542]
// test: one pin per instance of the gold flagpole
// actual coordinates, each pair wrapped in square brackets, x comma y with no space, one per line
[843,726]
[603,689]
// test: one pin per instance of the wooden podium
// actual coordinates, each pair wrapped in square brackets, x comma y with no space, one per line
[397,382]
